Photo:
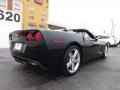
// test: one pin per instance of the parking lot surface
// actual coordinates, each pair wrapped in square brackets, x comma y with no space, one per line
[99,74]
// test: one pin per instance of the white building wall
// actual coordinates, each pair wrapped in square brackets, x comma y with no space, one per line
[9,21]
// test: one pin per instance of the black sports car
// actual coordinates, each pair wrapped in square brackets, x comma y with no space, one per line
[61,50]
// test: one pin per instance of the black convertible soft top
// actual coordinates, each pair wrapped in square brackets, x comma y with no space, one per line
[80,30]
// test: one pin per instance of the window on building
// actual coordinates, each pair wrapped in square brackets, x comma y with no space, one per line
[43,12]
[47,1]
[42,27]
[31,9]
[32,27]
[17,5]
[43,21]
[31,17]
[3,4]
[39,1]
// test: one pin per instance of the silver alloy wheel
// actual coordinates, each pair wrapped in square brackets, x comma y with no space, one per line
[106,51]
[74,60]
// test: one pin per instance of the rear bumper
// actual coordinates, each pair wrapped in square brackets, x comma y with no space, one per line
[39,55]
[32,62]
[113,44]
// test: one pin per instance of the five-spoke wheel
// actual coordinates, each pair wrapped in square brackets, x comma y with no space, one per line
[71,61]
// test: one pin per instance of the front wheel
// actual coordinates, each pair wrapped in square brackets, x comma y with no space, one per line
[105,52]
[108,44]
[71,62]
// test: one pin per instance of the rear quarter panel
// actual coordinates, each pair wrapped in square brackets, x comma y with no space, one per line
[60,39]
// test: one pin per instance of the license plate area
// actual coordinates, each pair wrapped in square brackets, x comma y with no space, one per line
[18,46]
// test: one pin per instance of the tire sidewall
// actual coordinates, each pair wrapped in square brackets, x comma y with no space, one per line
[64,66]
[108,44]
[104,52]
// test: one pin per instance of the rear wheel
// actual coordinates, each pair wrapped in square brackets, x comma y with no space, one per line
[71,62]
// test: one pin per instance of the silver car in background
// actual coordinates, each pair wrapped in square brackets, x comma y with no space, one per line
[110,40]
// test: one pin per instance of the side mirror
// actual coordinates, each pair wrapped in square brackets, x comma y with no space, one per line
[93,40]
[96,38]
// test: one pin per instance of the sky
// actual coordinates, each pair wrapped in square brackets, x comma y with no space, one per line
[95,15]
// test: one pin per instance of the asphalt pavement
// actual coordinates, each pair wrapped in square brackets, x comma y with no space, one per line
[98,74]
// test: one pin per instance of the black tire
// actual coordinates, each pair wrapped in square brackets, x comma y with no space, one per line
[108,44]
[116,45]
[65,70]
[105,52]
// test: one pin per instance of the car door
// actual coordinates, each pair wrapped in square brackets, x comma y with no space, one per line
[90,47]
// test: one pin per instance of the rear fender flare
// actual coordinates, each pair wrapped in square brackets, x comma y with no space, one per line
[76,44]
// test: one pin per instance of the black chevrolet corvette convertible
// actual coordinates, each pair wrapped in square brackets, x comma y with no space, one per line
[58,50]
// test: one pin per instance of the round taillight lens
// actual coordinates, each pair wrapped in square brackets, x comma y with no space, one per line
[38,37]
[29,37]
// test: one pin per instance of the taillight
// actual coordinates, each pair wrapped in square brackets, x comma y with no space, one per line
[29,37]
[38,37]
